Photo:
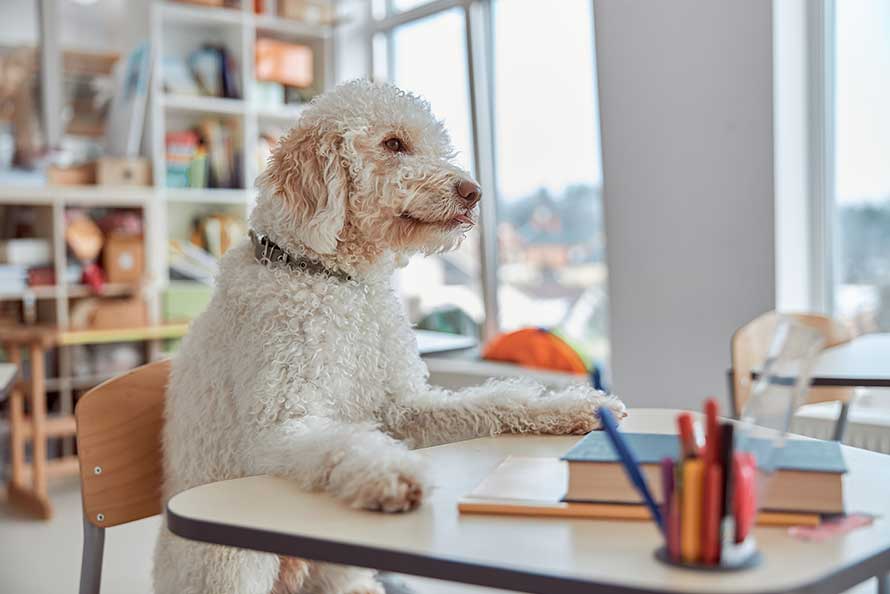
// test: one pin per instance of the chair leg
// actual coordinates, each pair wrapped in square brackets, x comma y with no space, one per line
[91,562]
[840,427]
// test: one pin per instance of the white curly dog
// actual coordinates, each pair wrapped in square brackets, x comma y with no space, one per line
[307,368]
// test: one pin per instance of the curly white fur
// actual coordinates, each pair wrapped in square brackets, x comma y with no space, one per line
[318,380]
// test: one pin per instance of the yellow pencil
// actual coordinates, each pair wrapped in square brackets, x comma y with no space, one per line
[691,512]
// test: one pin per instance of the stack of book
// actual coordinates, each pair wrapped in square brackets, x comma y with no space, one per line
[207,156]
[589,481]
[13,278]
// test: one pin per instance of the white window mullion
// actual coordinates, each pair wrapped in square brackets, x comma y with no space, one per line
[479,47]
[822,181]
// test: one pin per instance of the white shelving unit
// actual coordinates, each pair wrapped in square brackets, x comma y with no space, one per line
[176,28]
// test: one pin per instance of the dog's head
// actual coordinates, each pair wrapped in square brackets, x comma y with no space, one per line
[367,169]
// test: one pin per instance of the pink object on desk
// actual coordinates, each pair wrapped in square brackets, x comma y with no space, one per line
[835,527]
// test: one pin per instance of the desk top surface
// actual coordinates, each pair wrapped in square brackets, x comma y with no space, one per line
[864,361]
[522,553]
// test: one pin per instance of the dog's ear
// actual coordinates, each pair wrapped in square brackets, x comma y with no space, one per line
[306,171]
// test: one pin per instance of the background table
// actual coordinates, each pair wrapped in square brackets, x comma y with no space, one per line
[27,481]
[864,362]
[543,555]
[433,343]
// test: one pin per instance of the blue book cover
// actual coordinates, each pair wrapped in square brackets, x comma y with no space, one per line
[807,455]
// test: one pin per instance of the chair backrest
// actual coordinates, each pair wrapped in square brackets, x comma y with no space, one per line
[119,445]
[751,342]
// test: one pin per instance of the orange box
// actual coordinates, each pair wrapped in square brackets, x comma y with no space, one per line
[119,313]
[123,259]
[285,63]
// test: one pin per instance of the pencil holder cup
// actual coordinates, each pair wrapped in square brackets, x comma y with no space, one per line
[703,528]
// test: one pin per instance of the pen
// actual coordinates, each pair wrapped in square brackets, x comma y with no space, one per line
[631,466]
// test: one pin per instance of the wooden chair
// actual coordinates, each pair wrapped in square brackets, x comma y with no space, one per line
[750,344]
[119,446]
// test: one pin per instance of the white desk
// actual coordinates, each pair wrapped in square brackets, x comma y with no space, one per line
[862,362]
[431,343]
[541,555]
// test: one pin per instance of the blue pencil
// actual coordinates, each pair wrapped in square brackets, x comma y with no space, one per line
[631,466]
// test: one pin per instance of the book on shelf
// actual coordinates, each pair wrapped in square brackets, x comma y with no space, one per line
[808,476]
[205,157]
[214,70]
[13,278]
[126,117]
[177,77]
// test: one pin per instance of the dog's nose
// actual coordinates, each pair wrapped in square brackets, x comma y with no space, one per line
[469,192]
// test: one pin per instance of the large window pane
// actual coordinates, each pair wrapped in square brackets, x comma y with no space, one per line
[552,245]
[862,165]
[429,58]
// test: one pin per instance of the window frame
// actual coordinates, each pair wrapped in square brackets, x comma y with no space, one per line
[479,35]
[824,258]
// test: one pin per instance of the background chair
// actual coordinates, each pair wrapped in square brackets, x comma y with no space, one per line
[749,347]
[119,445]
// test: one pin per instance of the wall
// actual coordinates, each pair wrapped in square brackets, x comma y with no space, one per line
[794,266]
[686,100]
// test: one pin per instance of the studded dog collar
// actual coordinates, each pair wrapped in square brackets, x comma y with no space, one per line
[267,252]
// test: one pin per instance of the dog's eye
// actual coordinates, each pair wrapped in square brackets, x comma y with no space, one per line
[395,145]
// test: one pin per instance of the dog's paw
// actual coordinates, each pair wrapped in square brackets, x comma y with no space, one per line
[394,484]
[574,411]
[391,493]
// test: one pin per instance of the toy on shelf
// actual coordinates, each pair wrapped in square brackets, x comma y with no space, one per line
[85,240]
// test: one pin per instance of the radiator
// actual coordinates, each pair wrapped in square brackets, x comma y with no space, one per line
[868,422]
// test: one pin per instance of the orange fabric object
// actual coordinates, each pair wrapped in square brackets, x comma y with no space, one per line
[535,348]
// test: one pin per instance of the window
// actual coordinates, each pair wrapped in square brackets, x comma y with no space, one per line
[430,284]
[550,234]
[537,139]
[861,209]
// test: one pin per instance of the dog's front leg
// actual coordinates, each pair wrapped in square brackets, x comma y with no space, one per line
[354,462]
[500,406]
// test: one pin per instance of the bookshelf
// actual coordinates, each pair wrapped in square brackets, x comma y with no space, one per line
[173,28]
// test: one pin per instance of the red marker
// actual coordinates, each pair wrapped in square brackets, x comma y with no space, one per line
[687,435]
[745,497]
[712,508]
[712,432]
